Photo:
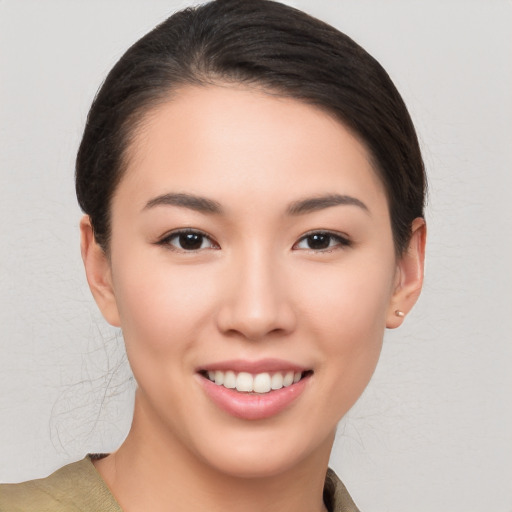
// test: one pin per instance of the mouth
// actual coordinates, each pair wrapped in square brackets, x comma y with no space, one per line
[254,390]
[258,383]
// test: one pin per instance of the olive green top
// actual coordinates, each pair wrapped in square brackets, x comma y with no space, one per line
[78,487]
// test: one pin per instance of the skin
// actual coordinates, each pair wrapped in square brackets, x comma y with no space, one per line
[255,289]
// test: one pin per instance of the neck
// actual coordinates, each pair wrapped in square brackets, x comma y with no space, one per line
[152,470]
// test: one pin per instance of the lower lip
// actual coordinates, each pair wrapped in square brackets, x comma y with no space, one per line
[253,406]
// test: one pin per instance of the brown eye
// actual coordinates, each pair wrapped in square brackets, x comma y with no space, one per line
[188,241]
[321,241]
[318,242]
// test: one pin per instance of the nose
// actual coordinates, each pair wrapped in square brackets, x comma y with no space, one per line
[256,300]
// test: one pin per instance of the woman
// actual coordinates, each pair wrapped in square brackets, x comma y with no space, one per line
[253,194]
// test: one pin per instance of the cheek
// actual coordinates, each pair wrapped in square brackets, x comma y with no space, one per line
[162,307]
[348,298]
[346,312]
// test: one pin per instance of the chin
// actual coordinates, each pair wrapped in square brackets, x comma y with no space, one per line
[258,455]
[260,465]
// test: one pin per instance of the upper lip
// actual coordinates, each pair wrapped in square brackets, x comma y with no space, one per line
[254,367]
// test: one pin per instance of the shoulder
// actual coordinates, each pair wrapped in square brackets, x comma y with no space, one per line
[336,496]
[76,487]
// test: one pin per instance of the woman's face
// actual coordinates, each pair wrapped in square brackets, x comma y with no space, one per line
[251,245]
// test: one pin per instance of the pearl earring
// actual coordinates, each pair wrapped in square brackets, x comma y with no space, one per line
[399,313]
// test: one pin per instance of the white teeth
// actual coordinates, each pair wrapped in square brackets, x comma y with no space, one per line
[259,383]
[230,380]
[288,379]
[277,381]
[219,378]
[244,382]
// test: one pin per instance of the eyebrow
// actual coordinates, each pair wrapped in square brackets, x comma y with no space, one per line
[197,203]
[209,206]
[314,204]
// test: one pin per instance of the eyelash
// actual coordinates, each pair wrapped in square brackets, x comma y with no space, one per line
[166,240]
[340,241]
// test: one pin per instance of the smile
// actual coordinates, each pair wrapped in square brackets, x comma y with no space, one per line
[254,390]
[246,382]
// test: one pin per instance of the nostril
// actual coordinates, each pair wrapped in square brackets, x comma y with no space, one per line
[256,325]
[254,302]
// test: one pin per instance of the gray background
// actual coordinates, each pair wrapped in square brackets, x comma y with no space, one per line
[433,431]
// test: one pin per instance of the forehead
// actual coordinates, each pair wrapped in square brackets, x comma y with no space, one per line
[216,140]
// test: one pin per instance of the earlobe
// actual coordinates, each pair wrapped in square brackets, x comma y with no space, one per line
[409,278]
[98,272]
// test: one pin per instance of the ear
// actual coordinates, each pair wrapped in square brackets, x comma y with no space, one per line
[98,272]
[409,276]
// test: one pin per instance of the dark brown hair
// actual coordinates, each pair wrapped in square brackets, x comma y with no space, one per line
[262,43]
